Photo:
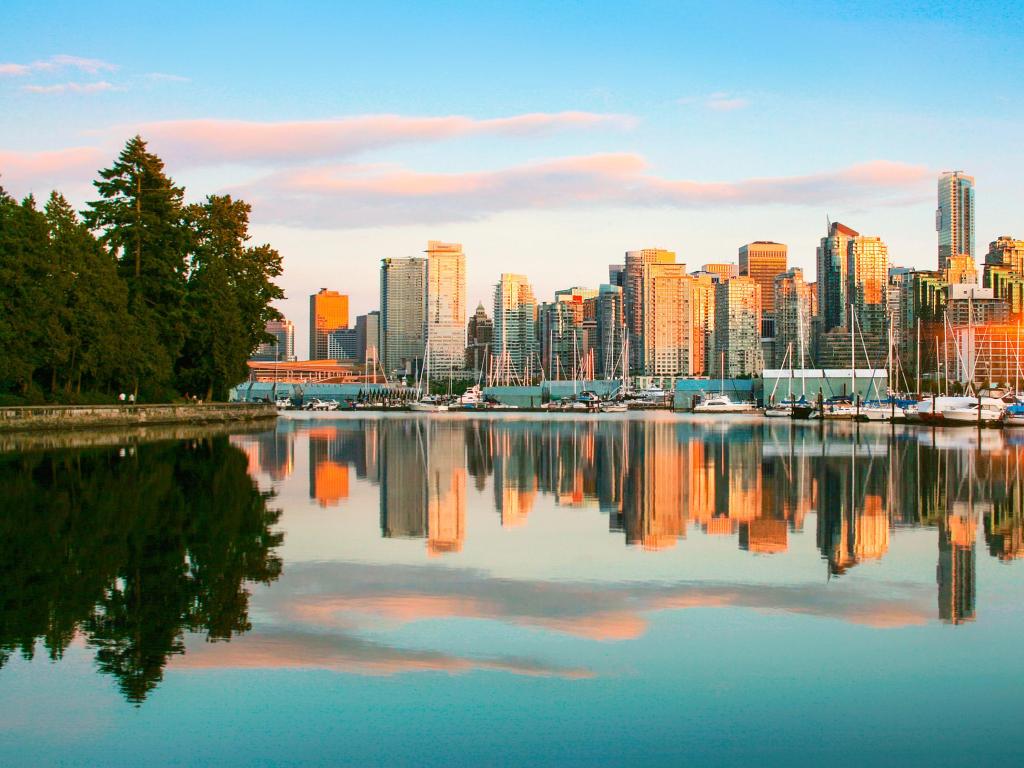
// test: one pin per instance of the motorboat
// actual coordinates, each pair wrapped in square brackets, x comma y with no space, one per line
[1014,415]
[723,404]
[781,410]
[316,404]
[984,411]
[613,406]
[429,404]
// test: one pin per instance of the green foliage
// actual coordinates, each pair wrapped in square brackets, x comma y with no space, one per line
[142,294]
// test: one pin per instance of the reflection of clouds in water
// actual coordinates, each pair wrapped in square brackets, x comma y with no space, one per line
[316,615]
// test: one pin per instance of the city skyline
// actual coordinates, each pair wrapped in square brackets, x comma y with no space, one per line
[692,144]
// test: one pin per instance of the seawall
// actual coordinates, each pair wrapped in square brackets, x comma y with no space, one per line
[61,417]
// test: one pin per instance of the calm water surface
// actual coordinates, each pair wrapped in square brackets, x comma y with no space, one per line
[514,590]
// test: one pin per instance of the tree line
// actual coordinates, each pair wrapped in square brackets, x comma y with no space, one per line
[141,293]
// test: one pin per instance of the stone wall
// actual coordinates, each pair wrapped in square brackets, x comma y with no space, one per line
[92,416]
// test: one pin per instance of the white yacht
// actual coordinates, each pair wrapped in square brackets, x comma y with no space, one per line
[991,413]
[723,404]
[429,404]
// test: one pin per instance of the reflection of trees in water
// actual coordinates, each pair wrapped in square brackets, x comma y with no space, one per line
[131,551]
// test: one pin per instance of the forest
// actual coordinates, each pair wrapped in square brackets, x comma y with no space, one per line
[140,292]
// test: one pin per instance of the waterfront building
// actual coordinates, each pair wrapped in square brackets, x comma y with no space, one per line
[900,311]
[368,336]
[737,328]
[565,334]
[792,301]
[724,270]
[667,330]
[282,348]
[343,344]
[402,313]
[633,294]
[1006,285]
[988,355]
[445,323]
[954,222]
[702,313]
[328,311]
[479,339]
[515,328]
[968,304]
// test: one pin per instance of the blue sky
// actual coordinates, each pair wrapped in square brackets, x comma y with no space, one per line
[575,131]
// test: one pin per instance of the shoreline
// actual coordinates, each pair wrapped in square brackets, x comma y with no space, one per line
[32,418]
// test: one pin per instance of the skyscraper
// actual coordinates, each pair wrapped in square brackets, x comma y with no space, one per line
[1003,263]
[367,336]
[954,221]
[833,283]
[633,294]
[792,299]
[282,348]
[738,327]
[402,313]
[479,338]
[867,271]
[610,332]
[446,305]
[328,311]
[762,260]
[515,327]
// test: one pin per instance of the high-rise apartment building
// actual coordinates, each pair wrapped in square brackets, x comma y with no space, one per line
[724,270]
[667,328]
[611,332]
[515,328]
[402,313]
[342,344]
[833,282]
[328,311]
[633,294]
[479,339]
[282,348]
[702,312]
[445,330]
[792,301]
[1006,255]
[738,327]
[867,272]
[617,275]
[564,332]
[954,221]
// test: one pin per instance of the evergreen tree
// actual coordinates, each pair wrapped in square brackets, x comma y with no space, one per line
[140,219]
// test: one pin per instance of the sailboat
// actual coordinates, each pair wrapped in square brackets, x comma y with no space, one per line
[427,403]
[722,403]
[783,410]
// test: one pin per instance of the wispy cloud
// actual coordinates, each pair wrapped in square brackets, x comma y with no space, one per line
[58,62]
[355,195]
[97,87]
[29,169]
[234,141]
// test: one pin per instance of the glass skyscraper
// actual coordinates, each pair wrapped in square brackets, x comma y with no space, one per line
[954,221]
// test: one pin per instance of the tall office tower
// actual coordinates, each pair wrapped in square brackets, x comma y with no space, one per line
[762,260]
[633,294]
[611,332]
[737,328]
[667,326]
[368,336]
[402,313]
[479,339]
[867,272]
[954,221]
[833,282]
[725,271]
[515,328]
[617,275]
[446,305]
[282,348]
[792,299]
[343,344]
[328,311]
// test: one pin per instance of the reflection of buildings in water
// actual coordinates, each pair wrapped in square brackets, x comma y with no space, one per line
[329,483]
[271,453]
[333,451]
[423,482]
[515,447]
[1004,524]
[655,491]
[956,568]
[853,514]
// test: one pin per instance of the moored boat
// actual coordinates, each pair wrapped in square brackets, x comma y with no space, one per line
[723,404]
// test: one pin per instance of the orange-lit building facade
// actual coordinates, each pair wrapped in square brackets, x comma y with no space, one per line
[328,311]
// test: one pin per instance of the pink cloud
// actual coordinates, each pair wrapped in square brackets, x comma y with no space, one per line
[353,195]
[31,169]
[97,87]
[224,141]
[57,62]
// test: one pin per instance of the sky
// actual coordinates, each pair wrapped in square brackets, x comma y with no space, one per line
[547,138]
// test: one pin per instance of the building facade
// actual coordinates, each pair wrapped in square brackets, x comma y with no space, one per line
[368,336]
[833,281]
[402,314]
[954,222]
[282,348]
[666,322]
[633,295]
[328,311]
[445,324]
[343,344]
[792,301]
[479,339]
[737,328]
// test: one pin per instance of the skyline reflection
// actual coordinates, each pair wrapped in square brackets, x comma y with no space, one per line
[660,480]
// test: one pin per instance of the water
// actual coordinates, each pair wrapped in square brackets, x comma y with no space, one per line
[519,590]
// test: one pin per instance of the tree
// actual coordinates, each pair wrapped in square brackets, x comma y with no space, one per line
[140,220]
